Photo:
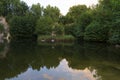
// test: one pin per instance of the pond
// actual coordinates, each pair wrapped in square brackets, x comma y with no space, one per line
[59,61]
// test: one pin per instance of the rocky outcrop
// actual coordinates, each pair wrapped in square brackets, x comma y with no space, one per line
[5,34]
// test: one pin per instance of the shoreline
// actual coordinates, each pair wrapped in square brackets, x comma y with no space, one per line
[49,38]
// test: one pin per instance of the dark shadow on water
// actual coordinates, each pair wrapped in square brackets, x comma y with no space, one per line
[22,46]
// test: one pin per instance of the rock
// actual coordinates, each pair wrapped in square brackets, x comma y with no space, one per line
[6,34]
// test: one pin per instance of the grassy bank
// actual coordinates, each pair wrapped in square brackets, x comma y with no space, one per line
[58,38]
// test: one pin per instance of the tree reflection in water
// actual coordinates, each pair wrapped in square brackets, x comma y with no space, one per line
[27,60]
[4,48]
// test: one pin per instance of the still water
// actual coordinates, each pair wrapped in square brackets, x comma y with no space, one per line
[59,61]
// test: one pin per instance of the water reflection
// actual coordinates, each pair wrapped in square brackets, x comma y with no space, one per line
[61,72]
[4,48]
[31,61]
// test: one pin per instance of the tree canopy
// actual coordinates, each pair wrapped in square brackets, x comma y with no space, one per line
[95,23]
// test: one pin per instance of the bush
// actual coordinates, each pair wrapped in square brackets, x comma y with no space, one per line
[67,29]
[82,22]
[115,38]
[96,32]
[22,27]
[58,29]
[44,26]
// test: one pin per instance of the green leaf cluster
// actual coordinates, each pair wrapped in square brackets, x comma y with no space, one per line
[22,27]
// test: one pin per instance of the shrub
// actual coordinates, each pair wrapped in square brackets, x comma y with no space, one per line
[22,27]
[58,29]
[96,32]
[115,37]
[44,26]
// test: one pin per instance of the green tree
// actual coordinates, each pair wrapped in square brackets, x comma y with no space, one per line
[21,9]
[96,31]
[114,34]
[76,11]
[37,10]
[22,27]
[44,26]
[105,24]
[52,12]
[12,7]
[48,21]
[82,22]
[80,18]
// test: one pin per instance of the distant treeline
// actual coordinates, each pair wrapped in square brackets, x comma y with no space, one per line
[99,22]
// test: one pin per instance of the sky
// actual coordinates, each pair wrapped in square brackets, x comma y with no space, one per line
[63,5]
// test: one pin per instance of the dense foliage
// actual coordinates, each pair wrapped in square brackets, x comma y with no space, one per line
[95,23]
[96,32]
[48,22]
[22,27]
